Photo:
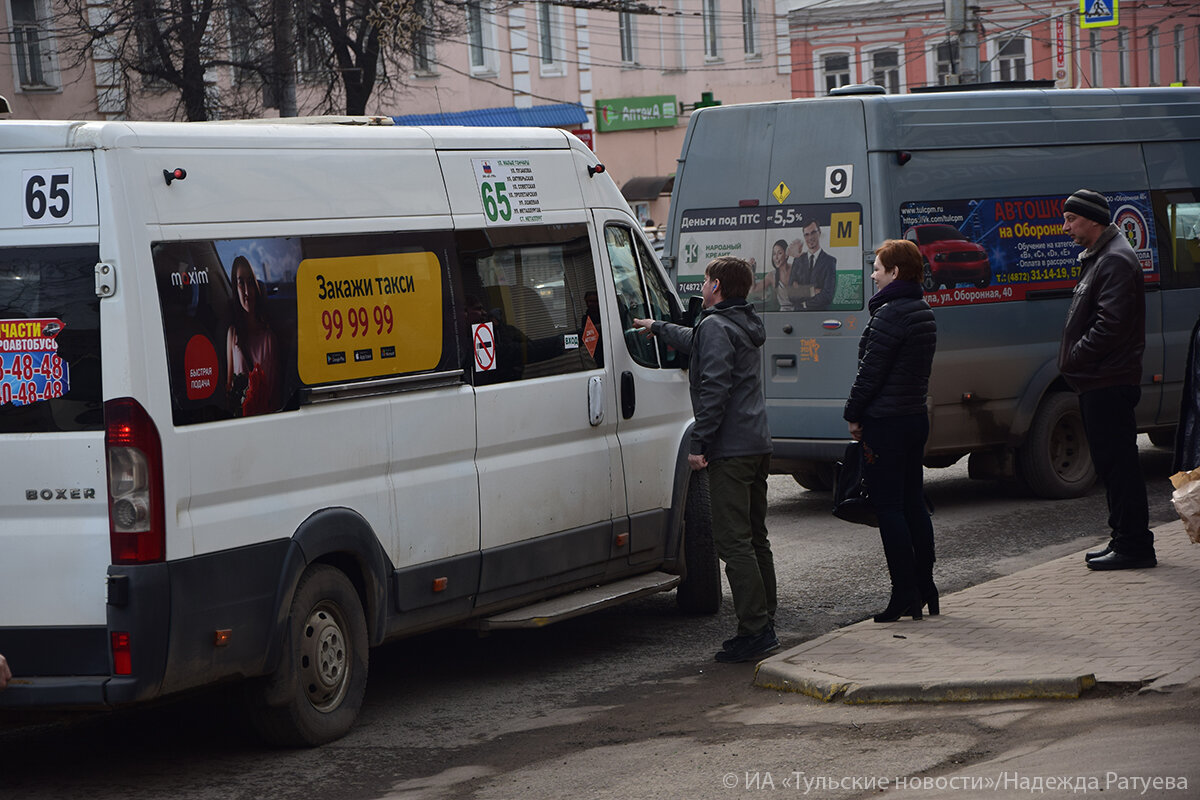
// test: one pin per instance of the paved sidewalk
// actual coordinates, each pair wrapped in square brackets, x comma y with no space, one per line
[1052,631]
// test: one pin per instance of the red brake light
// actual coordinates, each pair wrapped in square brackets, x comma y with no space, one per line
[121,653]
[137,533]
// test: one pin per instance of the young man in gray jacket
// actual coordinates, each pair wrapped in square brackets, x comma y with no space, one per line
[731,441]
[1101,358]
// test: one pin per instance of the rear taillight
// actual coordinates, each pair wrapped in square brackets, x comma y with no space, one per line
[137,533]
[122,654]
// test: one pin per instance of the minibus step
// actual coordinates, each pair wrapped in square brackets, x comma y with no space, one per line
[584,601]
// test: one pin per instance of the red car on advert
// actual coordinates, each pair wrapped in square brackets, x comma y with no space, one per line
[949,256]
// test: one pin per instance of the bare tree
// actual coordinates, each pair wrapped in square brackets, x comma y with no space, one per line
[367,42]
[153,47]
[227,58]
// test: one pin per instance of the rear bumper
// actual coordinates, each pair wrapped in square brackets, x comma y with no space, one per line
[170,612]
[73,692]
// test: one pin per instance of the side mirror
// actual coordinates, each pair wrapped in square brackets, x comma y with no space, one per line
[695,306]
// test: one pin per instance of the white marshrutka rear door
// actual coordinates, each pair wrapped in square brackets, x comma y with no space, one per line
[53,510]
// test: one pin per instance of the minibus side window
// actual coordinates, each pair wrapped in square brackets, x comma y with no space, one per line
[663,304]
[632,302]
[1182,215]
[263,325]
[529,303]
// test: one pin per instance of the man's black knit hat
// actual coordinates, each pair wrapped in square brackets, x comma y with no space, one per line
[1089,205]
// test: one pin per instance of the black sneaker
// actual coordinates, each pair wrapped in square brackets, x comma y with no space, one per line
[728,643]
[749,648]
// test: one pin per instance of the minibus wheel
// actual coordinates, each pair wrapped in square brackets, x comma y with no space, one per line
[1162,437]
[324,671]
[1055,460]
[700,590]
[816,476]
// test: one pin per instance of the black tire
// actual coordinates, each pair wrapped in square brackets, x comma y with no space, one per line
[323,674]
[816,476]
[928,282]
[983,282]
[1162,437]
[1055,460]
[700,590]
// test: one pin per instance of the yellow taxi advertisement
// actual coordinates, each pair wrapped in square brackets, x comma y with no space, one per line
[362,316]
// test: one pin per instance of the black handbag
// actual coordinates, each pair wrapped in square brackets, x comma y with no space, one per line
[851,501]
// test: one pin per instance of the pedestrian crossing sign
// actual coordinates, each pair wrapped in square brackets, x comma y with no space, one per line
[1097,13]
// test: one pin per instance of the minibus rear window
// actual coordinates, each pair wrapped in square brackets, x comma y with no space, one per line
[49,340]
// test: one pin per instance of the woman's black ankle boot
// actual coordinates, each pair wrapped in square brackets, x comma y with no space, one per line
[929,597]
[902,606]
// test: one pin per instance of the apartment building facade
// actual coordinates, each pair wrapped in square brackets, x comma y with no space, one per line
[905,44]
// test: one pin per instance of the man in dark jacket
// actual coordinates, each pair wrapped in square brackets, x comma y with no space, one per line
[730,439]
[1101,358]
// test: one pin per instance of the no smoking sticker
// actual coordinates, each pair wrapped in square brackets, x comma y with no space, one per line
[484,343]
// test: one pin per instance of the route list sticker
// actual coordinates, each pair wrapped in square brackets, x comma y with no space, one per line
[508,190]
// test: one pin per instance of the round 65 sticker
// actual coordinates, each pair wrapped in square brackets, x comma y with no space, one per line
[47,196]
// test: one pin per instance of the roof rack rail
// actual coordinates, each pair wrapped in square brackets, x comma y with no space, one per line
[320,119]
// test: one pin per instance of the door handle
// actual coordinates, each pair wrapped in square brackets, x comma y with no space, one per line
[595,400]
[785,361]
[628,396]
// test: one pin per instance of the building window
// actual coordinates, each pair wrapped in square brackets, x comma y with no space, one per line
[1011,59]
[481,37]
[424,60]
[625,26]
[1097,58]
[34,45]
[836,68]
[750,27]
[312,51]
[1180,66]
[711,44]
[947,63]
[885,70]
[1152,54]
[1123,57]
[549,55]
[243,51]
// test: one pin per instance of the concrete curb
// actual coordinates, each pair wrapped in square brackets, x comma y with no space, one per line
[829,688]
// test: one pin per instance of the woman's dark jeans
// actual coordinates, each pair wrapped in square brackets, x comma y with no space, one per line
[894,450]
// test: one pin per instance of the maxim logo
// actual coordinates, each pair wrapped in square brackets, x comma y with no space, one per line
[186,277]
[60,494]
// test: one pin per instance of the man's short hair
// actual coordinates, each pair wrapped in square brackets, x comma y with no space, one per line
[735,276]
[902,255]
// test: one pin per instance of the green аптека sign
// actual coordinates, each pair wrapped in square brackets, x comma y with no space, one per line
[631,113]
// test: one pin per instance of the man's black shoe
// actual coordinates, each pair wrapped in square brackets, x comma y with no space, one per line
[1115,560]
[728,643]
[749,648]
[1093,555]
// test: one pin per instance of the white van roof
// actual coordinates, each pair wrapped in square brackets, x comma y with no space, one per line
[74,135]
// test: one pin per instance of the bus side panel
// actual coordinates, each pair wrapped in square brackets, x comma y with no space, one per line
[990,341]
[1174,172]
[819,155]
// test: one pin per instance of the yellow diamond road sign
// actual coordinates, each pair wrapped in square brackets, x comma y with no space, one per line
[781,192]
